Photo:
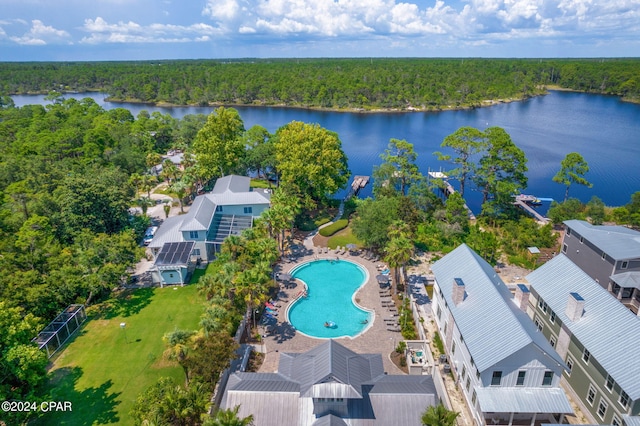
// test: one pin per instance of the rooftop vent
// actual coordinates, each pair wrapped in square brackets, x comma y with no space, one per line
[458,294]
[575,307]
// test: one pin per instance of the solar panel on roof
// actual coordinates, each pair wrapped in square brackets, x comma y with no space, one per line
[175,253]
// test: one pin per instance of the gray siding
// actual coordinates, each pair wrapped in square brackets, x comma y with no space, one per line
[588,258]
[583,374]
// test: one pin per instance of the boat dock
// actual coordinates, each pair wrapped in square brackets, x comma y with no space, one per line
[448,189]
[523,201]
[358,183]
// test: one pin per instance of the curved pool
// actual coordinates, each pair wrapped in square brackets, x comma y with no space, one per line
[331,286]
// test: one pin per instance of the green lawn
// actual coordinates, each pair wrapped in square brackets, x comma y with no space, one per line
[342,238]
[105,367]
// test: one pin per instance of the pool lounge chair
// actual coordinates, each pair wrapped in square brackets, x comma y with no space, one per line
[396,329]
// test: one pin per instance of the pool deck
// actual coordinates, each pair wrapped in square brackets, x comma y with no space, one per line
[375,339]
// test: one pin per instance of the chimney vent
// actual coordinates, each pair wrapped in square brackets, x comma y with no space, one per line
[521,297]
[458,294]
[575,307]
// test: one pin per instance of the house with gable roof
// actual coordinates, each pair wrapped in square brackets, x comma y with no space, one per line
[608,254]
[227,210]
[330,385]
[595,335]
[507,371]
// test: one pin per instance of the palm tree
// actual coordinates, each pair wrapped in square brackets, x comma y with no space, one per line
[144,204]
[439,415]
[177,348]
[180,188]
[229,417]
[397,253]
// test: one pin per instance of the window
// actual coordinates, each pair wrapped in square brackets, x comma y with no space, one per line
[464,371]
[609,384]
[538,323]
[568,231]
[473,398]
[591,395]
[193,234]
[624,265]
[445,329]
[468,383]
[453,348]
[552,317]
[439,312]
[477,375]
[624,399]
[552,341]
[218,208]
[564,248]
[170,275]
[496,378]
[616,421]
[521,375]
[569,366]
[602,408]
[248,210]
[196,252]
[548,378]
[586,355]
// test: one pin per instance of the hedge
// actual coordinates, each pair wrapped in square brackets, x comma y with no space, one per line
[336,226]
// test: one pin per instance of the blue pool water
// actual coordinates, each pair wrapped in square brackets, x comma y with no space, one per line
[331,285]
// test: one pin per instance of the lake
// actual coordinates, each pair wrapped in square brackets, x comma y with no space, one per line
[603,129]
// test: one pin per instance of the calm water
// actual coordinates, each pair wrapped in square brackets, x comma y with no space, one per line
[604,130]
[331,286]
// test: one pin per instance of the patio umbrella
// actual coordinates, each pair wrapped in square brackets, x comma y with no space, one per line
[284,277]
[382,279]
[352,246]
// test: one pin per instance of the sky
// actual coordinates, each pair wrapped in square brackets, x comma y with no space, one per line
[94,30]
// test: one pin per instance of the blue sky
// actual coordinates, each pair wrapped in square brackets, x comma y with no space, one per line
[64,30]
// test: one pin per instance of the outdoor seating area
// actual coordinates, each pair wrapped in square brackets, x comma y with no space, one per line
[418,356]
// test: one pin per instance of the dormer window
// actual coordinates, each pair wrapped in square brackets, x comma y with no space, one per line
[193,234]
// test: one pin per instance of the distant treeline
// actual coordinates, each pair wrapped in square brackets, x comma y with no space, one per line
[327,83]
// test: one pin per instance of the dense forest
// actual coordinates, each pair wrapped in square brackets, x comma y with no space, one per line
[359,84]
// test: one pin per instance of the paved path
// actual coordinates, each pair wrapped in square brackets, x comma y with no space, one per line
[376,339]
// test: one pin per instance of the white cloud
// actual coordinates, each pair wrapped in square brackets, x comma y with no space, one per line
[469,20]
[131,32]
[41,34]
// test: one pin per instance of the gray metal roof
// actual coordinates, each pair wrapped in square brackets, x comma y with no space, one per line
[492,325]
[280,398]
[200,214]
[523,400]
[233,183]
[330,370]
[617,241]
[631,420]
[330,420]
[168,232]
[607,329]
[627,279]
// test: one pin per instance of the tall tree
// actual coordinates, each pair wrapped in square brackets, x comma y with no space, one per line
[218,145]
[399,170]
[466,142]
[501,172]
[399,249]
[572,170]
[310,161]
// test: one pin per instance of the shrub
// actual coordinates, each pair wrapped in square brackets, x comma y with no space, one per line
[336,226]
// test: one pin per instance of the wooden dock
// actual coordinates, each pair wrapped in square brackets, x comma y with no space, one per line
[358,183]
[521,202]
[447,189]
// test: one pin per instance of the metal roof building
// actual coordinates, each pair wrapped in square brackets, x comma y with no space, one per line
[330,385]
[598,328]
[508,372]
[617,241]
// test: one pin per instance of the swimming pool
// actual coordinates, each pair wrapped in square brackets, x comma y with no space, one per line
[331,286]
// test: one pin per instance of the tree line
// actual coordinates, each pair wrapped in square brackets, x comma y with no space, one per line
[402,84]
